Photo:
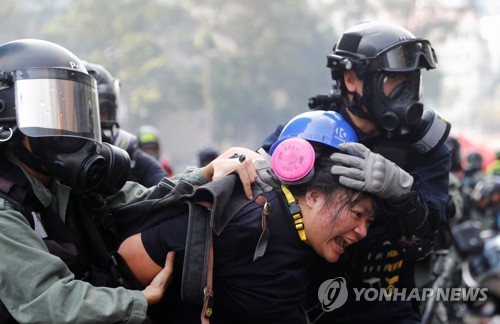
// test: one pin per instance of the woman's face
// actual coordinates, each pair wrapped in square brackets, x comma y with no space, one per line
[333,225]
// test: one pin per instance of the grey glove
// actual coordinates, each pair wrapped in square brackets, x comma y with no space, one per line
[267,179]
[370,172]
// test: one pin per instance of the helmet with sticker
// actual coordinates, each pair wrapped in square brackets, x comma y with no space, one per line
[293,155]
[326,127]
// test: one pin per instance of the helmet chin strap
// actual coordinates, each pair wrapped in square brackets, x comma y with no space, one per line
[355,106]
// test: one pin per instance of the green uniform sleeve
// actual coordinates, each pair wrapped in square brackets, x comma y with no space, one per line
[192,175]
[133,192]
[37,287]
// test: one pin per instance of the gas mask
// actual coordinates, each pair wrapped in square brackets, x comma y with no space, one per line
[382,54]
[400,114]
[82,164]
[398,111]
[57,109]
[109,126]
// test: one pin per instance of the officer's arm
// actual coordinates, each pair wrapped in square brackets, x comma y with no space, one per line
[222,166]
[411,221]
[33,279]
[417,216]
[432,194]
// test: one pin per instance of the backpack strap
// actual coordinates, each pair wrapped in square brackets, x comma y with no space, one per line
[208,298]
[198,252]
[110,259]
[19,207]
[14,187]
[227,199]
[5,185]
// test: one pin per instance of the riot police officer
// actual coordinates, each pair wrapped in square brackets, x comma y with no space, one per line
[377,68]
[55,173]
[144,169]
[377,85]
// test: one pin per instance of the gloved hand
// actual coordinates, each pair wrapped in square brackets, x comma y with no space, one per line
[266,178]
[370,172]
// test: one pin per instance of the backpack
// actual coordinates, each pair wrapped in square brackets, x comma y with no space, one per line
[226,197]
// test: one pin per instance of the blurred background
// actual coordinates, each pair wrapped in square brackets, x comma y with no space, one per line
[218,73]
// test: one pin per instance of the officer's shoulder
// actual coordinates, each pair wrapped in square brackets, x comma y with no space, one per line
[9,213]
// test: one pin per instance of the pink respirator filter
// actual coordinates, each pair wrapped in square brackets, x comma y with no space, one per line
[293,159]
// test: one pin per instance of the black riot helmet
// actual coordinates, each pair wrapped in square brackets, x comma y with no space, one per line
[372,46]
[47,95]
[379,53]
[108,89]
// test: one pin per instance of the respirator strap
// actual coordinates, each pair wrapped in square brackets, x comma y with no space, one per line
[355,106]
[293,207]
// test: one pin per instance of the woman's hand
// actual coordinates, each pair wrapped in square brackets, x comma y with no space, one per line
[155,290]
[245,168]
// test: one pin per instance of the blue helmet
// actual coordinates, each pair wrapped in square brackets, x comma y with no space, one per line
[326,127]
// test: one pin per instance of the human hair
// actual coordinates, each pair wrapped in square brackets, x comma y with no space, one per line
[328,183]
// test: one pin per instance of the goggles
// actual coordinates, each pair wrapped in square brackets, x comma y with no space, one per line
[404,57]
[56,102]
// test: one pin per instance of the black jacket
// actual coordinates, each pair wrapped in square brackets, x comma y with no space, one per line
[146,170]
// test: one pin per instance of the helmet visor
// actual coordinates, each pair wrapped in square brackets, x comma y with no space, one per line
[112,88]
[408,56]
[57,102]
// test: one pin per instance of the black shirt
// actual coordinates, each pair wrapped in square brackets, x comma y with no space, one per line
[271,289]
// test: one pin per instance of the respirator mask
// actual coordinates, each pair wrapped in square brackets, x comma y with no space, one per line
[81,164]
[399,113]
[57,109]
[400,109]
[109,126]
